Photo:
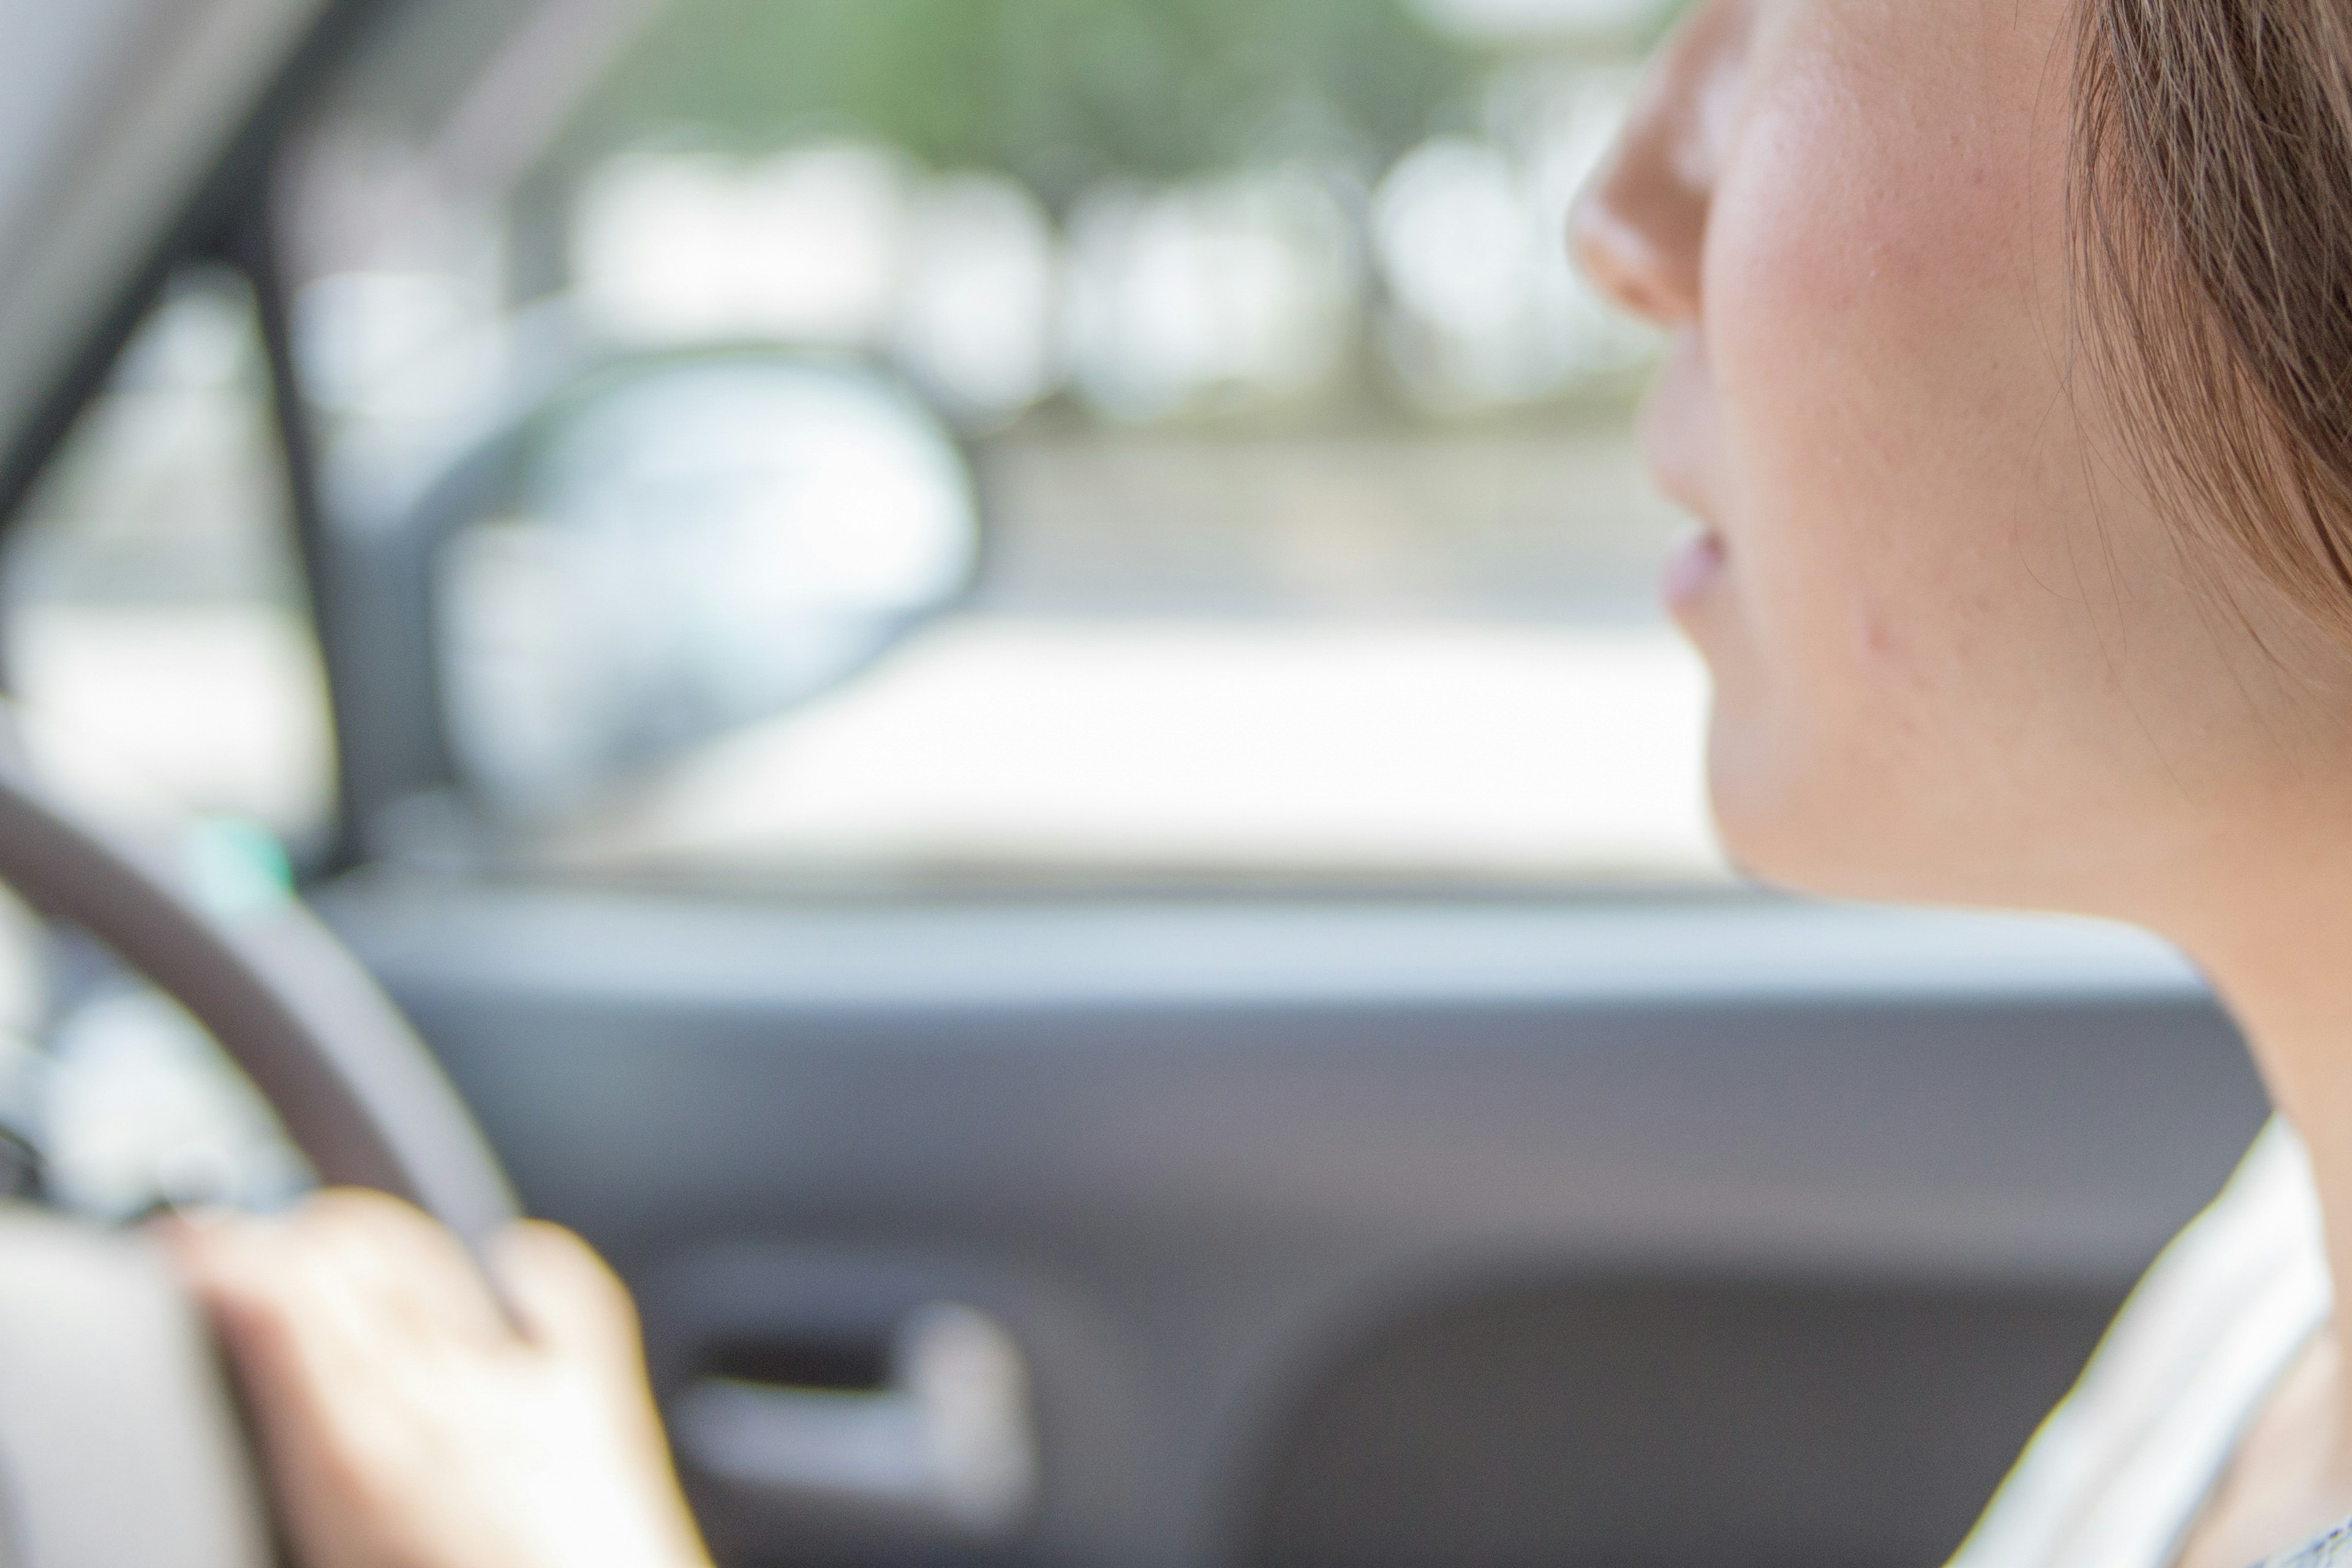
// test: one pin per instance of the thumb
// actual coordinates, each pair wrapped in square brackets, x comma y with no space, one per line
[571,1304]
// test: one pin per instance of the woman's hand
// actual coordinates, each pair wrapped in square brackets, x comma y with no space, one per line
[407,1424]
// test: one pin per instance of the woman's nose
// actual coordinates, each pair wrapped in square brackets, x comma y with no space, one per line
[1639,230]
[1637,234]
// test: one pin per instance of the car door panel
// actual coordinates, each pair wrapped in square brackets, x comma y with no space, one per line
[1353,1233]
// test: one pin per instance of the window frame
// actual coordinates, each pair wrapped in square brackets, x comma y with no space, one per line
[229,221]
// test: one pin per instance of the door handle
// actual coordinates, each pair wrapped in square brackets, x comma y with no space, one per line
[948,1446]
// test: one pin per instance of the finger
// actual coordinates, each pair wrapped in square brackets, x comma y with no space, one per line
[200,1245]
[579,1313]
[299,1331]
[407,1265]
[310,1346]
[312,1310]
[239,1268]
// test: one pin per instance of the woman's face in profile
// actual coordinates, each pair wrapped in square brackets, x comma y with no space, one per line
[1958,656]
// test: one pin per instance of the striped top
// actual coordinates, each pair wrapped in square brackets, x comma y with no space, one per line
[2329,1551]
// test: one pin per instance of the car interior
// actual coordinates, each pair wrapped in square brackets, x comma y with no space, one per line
[973,679]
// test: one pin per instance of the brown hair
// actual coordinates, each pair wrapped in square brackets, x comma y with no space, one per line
[2211,219]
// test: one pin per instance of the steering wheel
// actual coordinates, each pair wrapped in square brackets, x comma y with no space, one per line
[120,1440]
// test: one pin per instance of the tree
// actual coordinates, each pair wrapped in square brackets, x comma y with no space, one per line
[1060,94]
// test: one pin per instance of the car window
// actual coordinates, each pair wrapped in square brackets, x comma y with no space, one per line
[153,595]
[1315,546]
[159,646]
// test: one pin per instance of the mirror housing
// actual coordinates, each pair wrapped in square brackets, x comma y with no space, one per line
[671,548]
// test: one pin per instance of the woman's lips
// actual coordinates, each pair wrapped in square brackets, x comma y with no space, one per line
[1679,428]
[1695,566]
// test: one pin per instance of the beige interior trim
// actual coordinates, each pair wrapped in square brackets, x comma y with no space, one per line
[119,1442]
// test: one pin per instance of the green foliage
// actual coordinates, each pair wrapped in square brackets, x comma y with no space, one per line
[1059,93]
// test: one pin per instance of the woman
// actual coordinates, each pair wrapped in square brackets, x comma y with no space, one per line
[2010,349]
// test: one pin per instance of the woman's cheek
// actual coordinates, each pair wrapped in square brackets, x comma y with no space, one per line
[1917,575]
[1831,666]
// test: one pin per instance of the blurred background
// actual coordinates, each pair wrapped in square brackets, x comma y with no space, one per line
[1309,548]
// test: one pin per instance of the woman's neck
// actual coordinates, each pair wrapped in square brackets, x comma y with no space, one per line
[2278,950]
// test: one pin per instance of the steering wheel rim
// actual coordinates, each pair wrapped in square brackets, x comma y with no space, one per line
[119,1438]
[359,1094]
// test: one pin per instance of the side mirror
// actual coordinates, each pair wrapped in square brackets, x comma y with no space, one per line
[668,549]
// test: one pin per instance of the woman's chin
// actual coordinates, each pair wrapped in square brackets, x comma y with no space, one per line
[1784,814]
[1797,862]
[1833,845]
[1778,828]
